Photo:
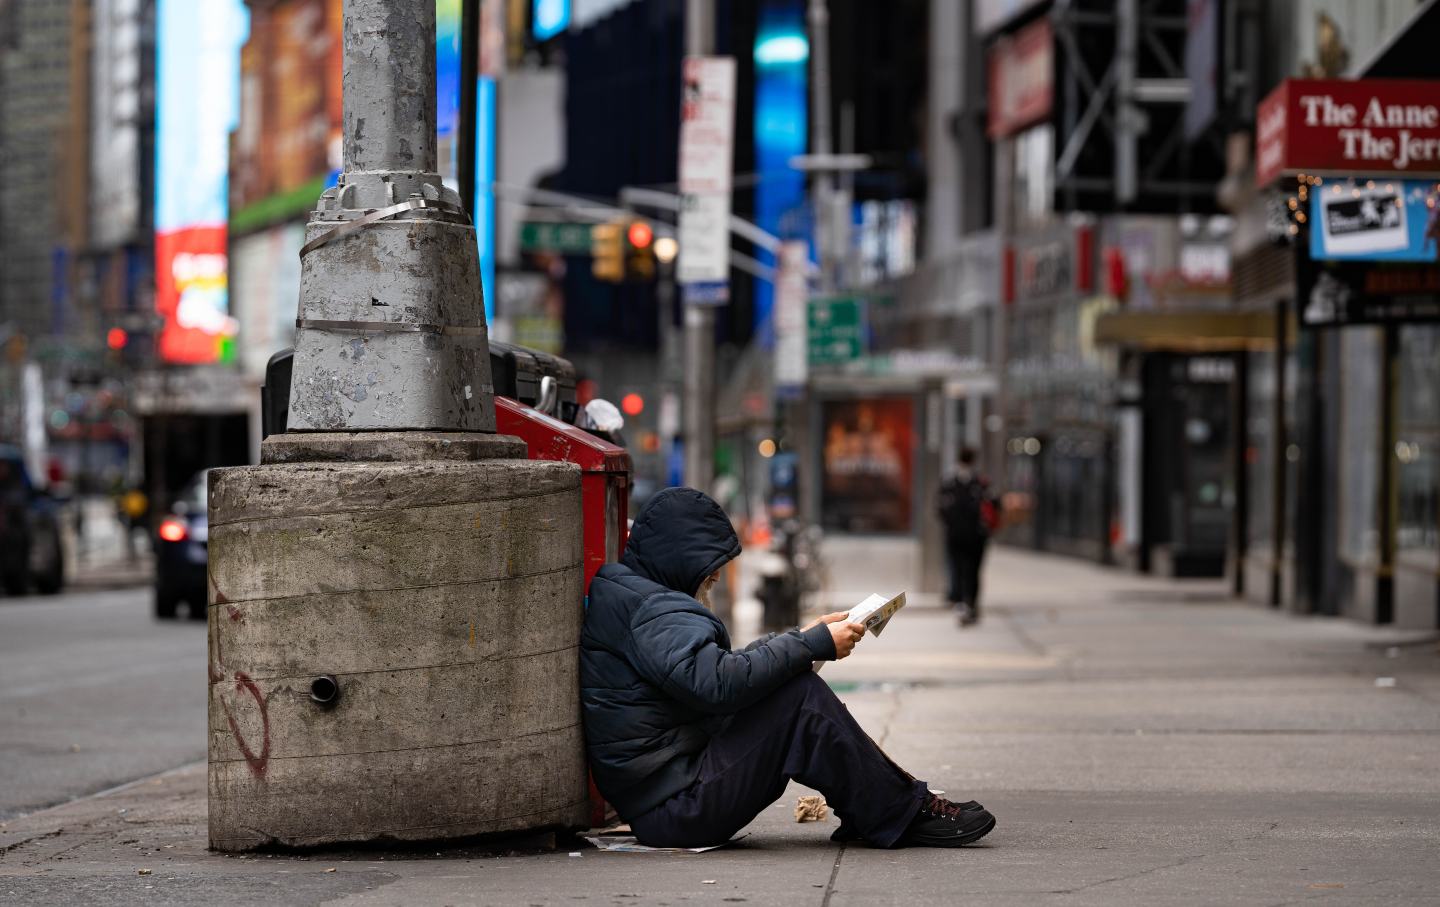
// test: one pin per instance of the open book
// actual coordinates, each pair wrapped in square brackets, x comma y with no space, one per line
[875,612]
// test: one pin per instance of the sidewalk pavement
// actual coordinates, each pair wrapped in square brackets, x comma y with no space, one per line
[1141,742]
[122,572]
[107,555]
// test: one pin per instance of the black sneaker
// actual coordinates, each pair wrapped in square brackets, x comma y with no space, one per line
[941,823]
[846,832]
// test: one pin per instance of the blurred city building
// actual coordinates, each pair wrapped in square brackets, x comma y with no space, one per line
[1171,394]
[74,241]
[1340,465]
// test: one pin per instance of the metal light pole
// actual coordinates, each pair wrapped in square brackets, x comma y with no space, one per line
[699,388]
[391,334]
[822,188]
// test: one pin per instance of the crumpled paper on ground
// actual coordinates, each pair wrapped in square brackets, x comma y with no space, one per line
[811,808]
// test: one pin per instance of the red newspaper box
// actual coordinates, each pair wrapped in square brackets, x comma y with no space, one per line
[604,482]
[604,494]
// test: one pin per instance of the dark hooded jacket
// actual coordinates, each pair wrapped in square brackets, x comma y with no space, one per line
[657,676]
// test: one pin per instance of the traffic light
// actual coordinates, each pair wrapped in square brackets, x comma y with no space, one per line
[639,251]
[607,245]
[623,250]
[639,234]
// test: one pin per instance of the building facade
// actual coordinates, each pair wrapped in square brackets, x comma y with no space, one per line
[1164,400]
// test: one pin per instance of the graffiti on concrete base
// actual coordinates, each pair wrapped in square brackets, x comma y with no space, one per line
[258,763]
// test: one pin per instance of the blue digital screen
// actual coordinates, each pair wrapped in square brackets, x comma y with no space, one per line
[551,17]
[484,210]
[781,52]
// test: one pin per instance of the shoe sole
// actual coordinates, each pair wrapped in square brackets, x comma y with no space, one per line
[947,841]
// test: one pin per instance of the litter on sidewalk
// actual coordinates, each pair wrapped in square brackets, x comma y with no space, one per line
[627,843]
[811,808]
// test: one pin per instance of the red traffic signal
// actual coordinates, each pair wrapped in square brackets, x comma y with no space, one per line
[116,339]
[640,235]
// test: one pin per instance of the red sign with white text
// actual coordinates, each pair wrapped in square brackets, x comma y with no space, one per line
[1022,79]
[1389,126]
[192,295]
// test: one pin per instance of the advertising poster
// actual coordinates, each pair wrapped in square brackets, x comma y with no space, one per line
[287,148]
[299,113]
[867,464]
[1358,292]
[1389,220]
[197,87]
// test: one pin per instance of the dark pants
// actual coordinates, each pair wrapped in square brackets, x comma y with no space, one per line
[965,560]
[801,731]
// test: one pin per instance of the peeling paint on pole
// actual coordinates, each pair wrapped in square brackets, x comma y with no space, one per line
[391,334]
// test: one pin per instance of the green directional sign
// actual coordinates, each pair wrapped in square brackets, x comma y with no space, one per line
[562,237]
[836,330]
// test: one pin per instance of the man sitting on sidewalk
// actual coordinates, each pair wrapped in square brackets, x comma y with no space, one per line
[689,740]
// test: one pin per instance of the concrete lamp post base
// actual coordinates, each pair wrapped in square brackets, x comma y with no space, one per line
[393,650]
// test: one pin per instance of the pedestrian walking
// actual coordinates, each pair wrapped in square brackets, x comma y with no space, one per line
[690,739]
[970,512]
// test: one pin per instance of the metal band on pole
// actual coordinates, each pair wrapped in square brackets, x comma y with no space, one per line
[389,327]
[354,226]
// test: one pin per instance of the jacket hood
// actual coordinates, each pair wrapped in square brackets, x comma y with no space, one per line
[681,537]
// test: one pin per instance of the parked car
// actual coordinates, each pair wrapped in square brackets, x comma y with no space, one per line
[32,555]
[182,552]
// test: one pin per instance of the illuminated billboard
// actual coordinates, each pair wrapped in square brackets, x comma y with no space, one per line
[197,87]
[867,465]
[782,54]
[287,146]
[550,18]
[484,205]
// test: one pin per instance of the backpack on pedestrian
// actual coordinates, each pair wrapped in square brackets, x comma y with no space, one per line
[968,510]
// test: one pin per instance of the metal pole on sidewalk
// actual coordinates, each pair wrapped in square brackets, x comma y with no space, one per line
[822,188]
[391,334]
[699,389]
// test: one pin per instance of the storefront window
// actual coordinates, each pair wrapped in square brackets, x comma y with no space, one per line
[1361,352]
[868,464]
[1417,446]
[1074,492]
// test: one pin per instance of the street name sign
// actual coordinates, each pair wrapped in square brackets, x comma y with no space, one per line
[555,236]
[836,331]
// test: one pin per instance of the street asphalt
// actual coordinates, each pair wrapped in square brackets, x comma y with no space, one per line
[1141,742]
[94,692]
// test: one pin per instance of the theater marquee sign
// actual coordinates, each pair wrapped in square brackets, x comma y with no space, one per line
[1330,126]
